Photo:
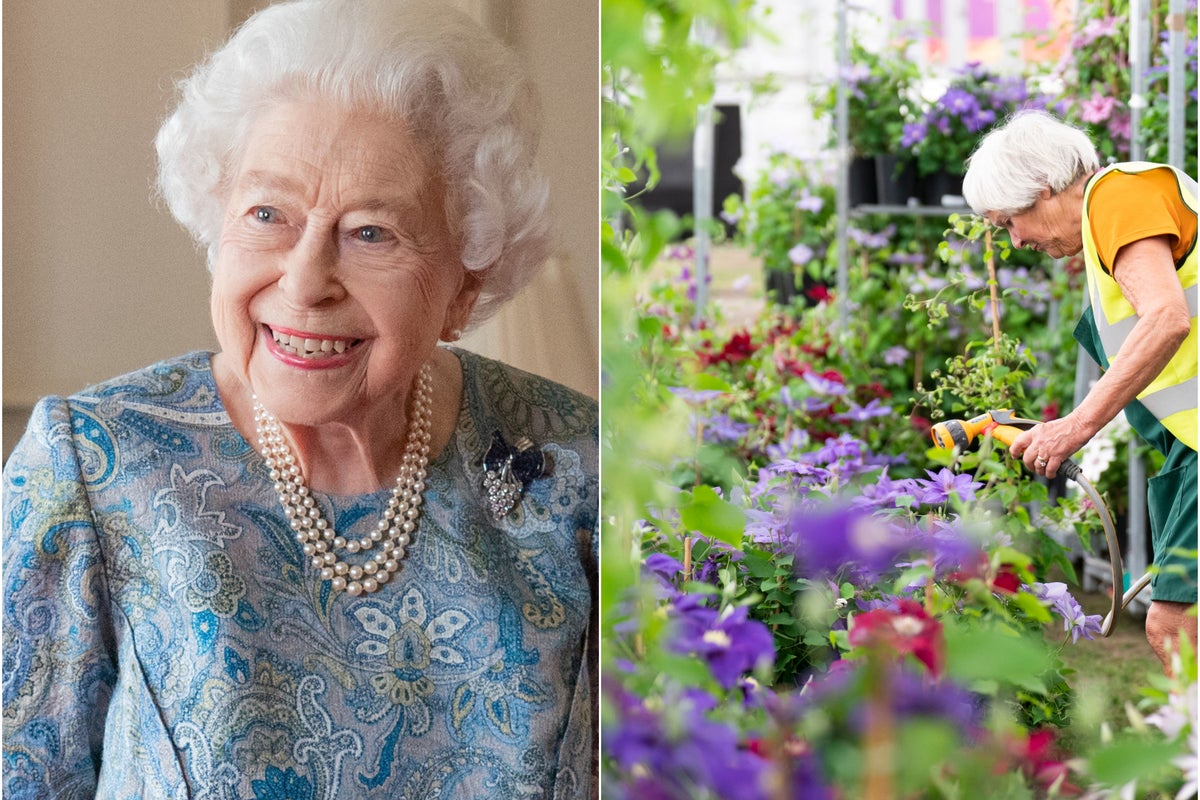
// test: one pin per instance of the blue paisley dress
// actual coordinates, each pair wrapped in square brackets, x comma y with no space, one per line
[164,637]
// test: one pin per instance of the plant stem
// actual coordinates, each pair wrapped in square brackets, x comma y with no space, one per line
[993,286]
[880,742]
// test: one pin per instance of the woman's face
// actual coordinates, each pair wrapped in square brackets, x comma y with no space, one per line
[1052,225]
[336,274]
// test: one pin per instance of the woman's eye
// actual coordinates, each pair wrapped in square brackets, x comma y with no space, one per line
[370,234]
[266,214]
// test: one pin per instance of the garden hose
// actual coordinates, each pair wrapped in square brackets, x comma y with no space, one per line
[1004,427]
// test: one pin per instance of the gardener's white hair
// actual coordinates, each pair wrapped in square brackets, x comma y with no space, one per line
[1033,150]
[464,95]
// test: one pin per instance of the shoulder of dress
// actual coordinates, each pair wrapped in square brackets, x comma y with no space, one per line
[481,374]
[183,383]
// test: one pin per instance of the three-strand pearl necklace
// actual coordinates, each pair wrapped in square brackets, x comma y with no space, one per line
[317,537]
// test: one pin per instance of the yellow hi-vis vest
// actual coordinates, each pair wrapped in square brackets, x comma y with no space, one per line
[1170,397]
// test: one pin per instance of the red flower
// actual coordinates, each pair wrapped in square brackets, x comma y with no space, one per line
[819,294]
[864,393]
[818,350]
[1039,758]
[922,424]
[790,366]
[909,630]
[1007,580]
[739,347]
[1050,411]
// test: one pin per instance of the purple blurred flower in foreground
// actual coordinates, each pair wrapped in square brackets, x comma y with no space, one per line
[676,753]
[912,695]
[833,541]
[730,642]
[1067,607]
[944,483]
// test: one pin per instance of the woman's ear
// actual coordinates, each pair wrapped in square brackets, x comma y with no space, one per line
[459,311]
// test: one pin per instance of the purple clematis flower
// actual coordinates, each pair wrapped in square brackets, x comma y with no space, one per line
[801,254]
[914,133]
[720,428]
[795,440]
[825,386]
[810,202]
[895,356]
[730,642]
[695,396]
[857,413]
[884,492]
[835,541]
[677,752]
[944,483]
[1067,607]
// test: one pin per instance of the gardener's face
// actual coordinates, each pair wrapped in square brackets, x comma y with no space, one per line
[1052,225]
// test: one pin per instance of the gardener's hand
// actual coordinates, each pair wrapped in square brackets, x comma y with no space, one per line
[1045,447]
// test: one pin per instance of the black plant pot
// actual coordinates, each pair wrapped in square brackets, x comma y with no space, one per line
[861,190]
[896,178]
[941,188]
[780,285]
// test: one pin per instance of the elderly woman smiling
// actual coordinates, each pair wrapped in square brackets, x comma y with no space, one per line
[333,559]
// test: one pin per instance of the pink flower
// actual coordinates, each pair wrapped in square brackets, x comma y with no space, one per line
[1098,108]
[1119,125]
[1098,28]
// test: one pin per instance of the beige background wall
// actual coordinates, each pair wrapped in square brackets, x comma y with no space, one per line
[99,280]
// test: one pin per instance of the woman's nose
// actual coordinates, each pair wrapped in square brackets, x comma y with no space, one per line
[1017,242]
[309,272]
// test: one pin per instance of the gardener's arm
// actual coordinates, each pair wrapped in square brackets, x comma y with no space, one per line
[1145,271]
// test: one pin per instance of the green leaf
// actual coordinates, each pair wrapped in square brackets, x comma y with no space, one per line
[707,381]
[709,515]
[1128,759]
[1032,607]
[1000,654]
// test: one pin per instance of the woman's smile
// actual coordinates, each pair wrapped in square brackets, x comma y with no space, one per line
[308,349]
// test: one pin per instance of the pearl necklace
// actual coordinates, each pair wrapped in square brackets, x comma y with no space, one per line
[317,537]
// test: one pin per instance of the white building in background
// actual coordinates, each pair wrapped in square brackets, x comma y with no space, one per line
[800,55]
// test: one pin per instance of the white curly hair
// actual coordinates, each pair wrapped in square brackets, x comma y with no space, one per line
[1014,163]
[433,69]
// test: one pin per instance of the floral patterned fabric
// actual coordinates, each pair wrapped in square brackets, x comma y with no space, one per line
[164,637]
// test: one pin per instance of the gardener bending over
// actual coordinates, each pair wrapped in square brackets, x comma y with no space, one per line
[1040,179]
